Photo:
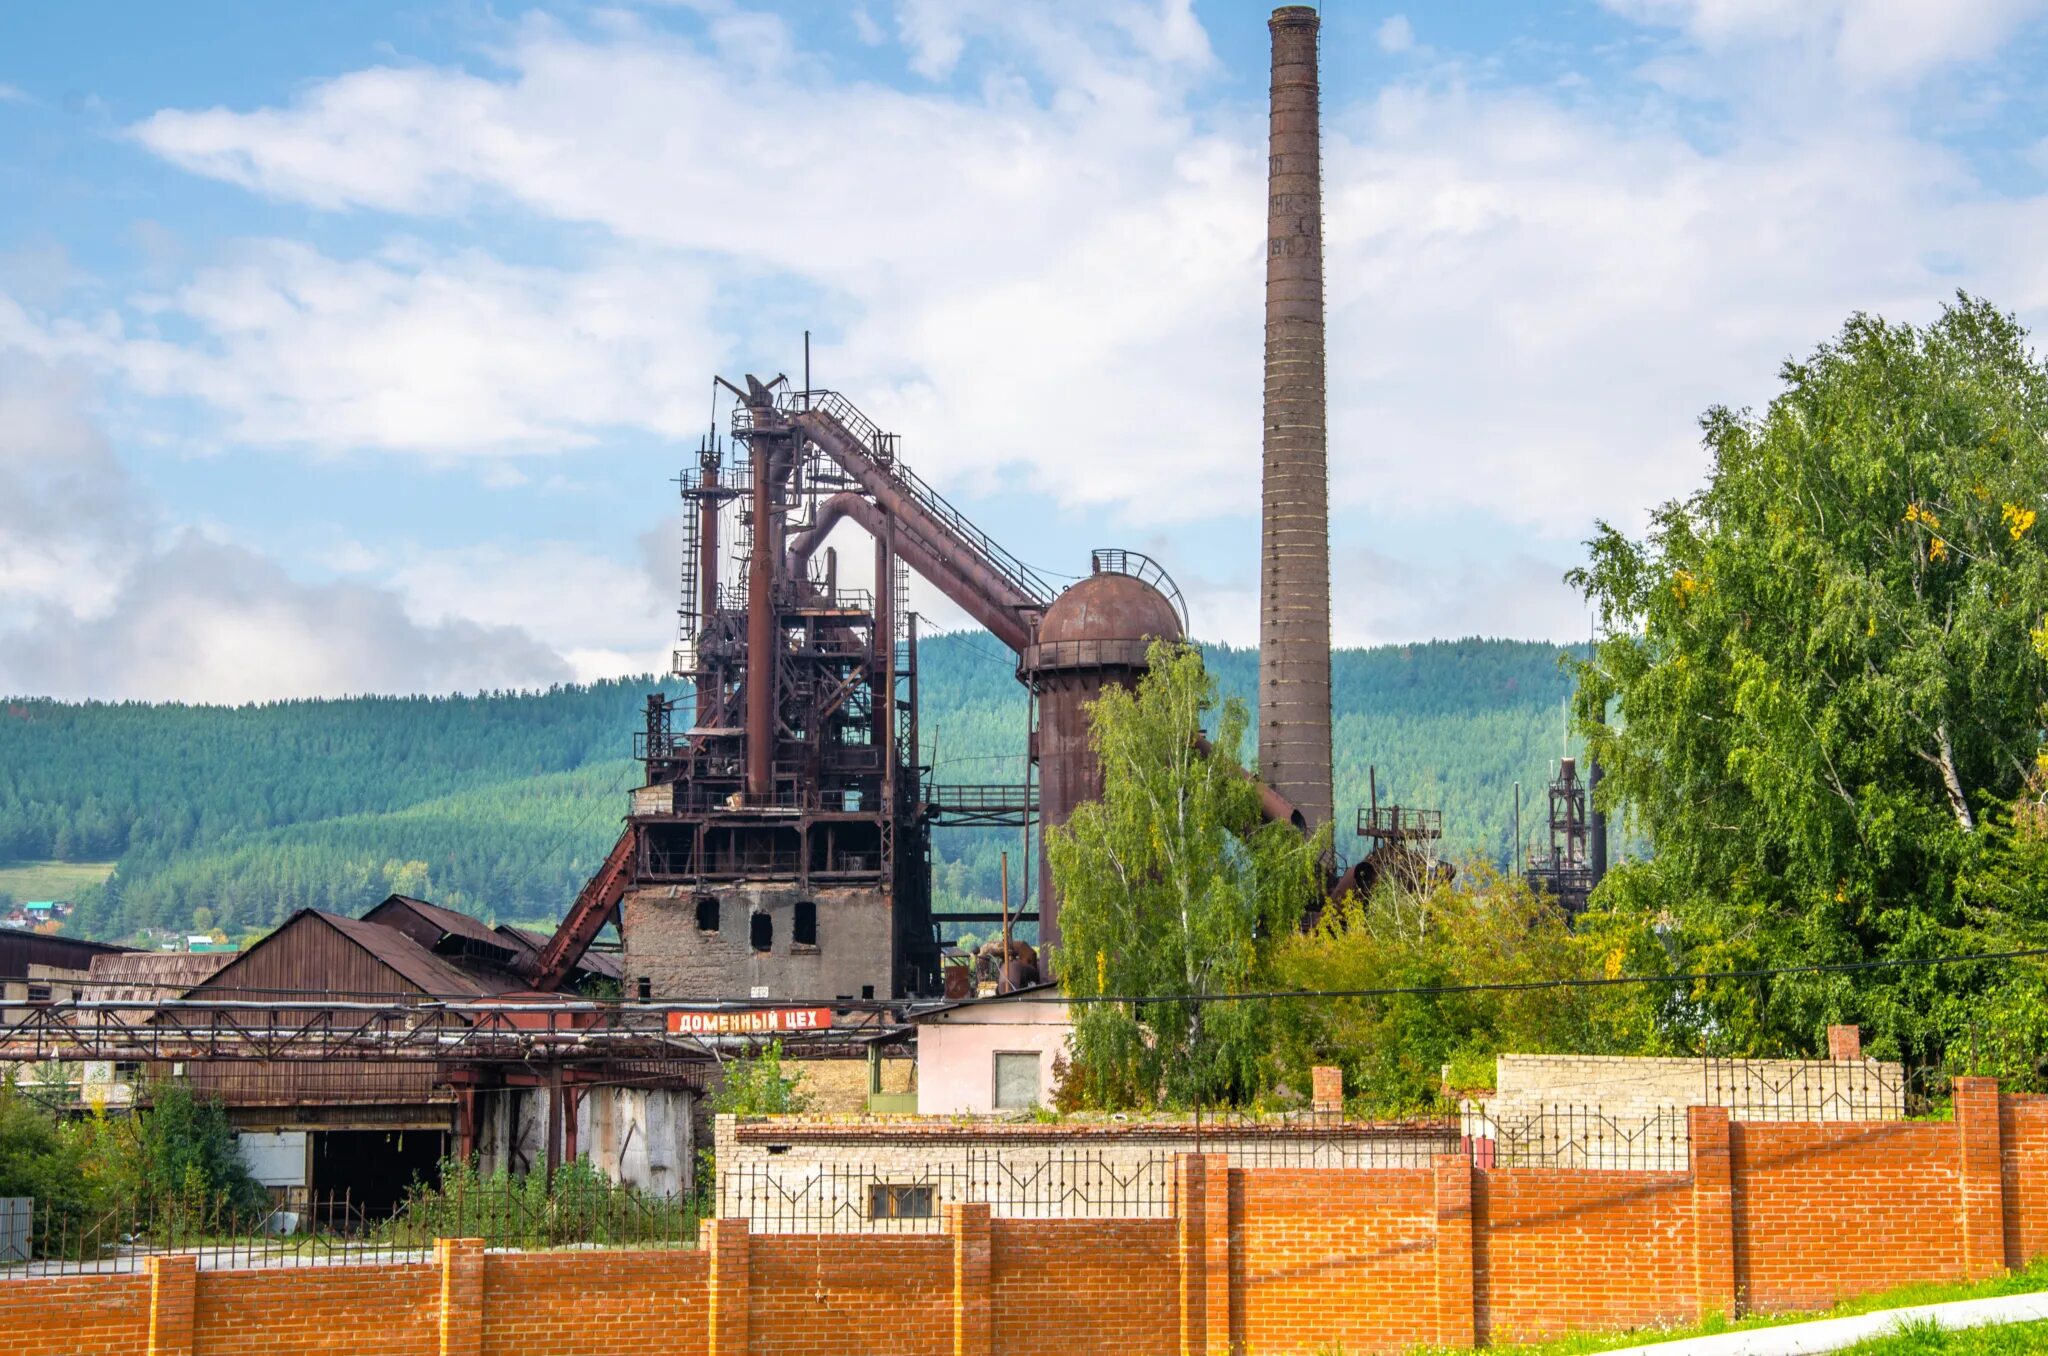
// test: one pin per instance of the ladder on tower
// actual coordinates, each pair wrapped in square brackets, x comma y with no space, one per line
[689,615]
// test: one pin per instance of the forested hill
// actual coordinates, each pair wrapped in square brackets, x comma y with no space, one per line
[501,804]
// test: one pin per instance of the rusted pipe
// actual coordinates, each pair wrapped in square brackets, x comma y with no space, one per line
[763,661]
[1274,808]
[961,562]
[707,545]
[943,572]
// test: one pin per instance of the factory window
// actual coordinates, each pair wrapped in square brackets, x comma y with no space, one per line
[38,993]
[891,1200]
[646,988]
[803,929]
[707,913]
[1017,1087]
[762,932]
[867,991]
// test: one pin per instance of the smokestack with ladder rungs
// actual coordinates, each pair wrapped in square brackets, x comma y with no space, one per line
[1294,545]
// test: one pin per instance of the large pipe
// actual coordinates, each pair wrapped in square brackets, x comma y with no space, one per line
[763,661]
[963,562]
[707,543]
[947,573]
[1294,547]
[1596,821]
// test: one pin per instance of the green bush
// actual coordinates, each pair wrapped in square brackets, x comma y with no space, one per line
[579,1204]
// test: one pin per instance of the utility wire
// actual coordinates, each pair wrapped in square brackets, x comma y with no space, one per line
[1268,995]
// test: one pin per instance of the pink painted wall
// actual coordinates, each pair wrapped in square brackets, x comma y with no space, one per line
[956,1050]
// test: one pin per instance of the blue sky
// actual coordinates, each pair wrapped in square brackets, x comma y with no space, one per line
[354,347]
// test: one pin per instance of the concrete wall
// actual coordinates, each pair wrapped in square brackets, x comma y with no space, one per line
[1267,1262]
[855,948]
[640,1137]
[956,1052]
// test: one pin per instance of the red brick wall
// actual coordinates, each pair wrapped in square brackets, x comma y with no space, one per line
[374,1311]
[595,1303]
[1269,1261]
[1332,1257]
[834,1295]
[1076,1287]
[76,1314]
[1555,1251]
[2023,1123]
[1823,1212]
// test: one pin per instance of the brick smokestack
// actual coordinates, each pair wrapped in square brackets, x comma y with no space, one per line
[1294,537]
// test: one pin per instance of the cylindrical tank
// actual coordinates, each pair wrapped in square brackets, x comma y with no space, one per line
[1094,634]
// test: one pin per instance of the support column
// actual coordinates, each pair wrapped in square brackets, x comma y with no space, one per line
[974,1315]
[1201,1191]
[173,1293]
[1713,1211]
[462,1295]
[730,1251]
[1982,1174]
[1457,1318]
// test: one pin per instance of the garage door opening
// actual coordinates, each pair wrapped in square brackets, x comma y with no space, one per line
[371,1169]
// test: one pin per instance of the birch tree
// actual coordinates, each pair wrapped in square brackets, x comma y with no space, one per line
[1824,676]
[1172,887]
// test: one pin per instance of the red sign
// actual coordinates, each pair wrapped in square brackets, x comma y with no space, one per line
[749,1022]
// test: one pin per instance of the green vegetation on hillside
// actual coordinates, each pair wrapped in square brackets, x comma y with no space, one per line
[501,804]
[50,880]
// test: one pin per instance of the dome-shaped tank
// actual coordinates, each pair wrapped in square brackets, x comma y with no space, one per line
[1110,608]
[1096,633]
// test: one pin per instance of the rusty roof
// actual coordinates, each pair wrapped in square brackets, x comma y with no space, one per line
[447,920]
[598,963]
[142,976]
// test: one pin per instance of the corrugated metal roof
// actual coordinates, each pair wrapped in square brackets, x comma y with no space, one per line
[19,950]
[418,965]
[596,962]
[447,920]
[144,976]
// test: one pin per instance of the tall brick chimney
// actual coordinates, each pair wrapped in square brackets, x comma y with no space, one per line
[1294,537]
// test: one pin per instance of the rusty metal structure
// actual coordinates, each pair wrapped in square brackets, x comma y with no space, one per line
[1294,538]
[780,845]
[1403,849]
[1566,868]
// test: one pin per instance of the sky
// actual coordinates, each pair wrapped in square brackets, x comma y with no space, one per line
[356,347]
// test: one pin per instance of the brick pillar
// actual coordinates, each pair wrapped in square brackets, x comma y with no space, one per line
[1845,1043]
[1713,1211]
[1457,1319]
[1982,1176]
[1326,1083]
[173,1291]
[1201,1194]
[462,1295]
[974,1315]
[730,1247]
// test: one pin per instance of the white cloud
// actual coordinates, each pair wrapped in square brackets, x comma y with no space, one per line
[1395,34]
[441,354]
[1869,41]
[1049,268]
[98,599]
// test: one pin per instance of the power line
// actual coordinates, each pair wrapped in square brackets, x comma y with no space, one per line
[1267,995]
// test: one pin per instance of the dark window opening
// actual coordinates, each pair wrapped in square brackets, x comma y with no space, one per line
[707,913]
[646,988]
[762,932]
[803,929]
[38,993]
[887,1200]
[867,991]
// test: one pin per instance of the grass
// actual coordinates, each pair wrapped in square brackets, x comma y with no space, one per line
[51,880]
[1918,1338]
[2024,1281]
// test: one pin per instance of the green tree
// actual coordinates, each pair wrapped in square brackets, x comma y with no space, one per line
[754,1084]
[1172,887]
[1823,681]
[1458,948]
